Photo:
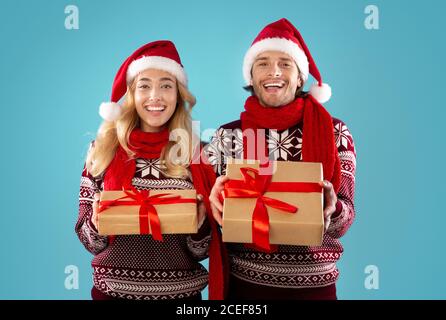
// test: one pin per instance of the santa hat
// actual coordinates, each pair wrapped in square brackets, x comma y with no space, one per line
[284,37]
[161,55]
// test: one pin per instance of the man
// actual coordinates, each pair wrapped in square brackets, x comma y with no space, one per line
[290,125]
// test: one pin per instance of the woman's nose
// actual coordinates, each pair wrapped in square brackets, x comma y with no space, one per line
[154,95]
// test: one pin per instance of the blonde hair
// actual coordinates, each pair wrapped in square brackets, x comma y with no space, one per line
[112,134]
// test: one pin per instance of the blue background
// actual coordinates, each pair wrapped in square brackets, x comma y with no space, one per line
[387,86]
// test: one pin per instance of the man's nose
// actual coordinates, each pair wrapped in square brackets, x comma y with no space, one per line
[275,70]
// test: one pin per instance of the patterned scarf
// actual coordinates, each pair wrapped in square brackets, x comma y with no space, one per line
[147,145]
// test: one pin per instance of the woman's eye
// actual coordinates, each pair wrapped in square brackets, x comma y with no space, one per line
[166,86]
[143,86]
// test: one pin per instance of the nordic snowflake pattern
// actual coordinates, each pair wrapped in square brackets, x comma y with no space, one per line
[342,135]
[285,144]
[149,167]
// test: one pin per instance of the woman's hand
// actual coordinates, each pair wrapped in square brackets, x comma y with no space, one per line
[216,205]
[201,210]
[330,200]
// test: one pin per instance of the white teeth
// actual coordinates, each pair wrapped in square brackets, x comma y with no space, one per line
[149,108]
[273,84]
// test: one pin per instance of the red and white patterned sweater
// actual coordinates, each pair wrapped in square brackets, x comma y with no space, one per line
[291,266]
[136,266]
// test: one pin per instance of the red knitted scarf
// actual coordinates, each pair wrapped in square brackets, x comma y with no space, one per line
[318,143]
[148,145]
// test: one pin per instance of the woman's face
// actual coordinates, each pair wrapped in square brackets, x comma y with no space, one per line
[155,98]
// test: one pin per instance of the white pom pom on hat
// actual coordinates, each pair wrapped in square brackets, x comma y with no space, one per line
[322,93]
[161,55]
[282,36]
[110,111]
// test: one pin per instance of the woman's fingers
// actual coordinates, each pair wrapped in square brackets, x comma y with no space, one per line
[201,210]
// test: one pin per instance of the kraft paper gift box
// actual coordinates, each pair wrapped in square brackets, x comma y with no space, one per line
[305,227]
[174,218]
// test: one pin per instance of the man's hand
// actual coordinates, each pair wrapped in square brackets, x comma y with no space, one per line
[330,200]
[216,205]
[94,217]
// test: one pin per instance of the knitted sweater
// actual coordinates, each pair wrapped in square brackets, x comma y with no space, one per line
[136,266]
[291,266]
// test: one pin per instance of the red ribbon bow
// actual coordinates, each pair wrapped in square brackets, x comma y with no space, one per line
[147,212]
[255,186]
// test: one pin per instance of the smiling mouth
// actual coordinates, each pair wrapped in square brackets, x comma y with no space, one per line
[273,86]
[155,108]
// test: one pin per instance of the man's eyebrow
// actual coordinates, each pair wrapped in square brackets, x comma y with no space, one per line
[266,58]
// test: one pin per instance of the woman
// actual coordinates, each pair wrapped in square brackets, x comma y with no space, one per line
[132,148]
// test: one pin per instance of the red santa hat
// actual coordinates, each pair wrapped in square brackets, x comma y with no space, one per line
[284,37]
[161,55]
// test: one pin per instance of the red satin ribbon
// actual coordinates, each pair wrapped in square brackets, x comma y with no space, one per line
[147,212]
[255,186]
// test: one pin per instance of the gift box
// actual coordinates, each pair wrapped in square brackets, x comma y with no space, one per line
[153,212]
[284,206]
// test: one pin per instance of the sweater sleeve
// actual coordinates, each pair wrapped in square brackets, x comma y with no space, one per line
[343,218]
[85,229]
[198,244]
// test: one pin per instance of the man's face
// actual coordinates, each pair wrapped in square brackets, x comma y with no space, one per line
[275,78]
